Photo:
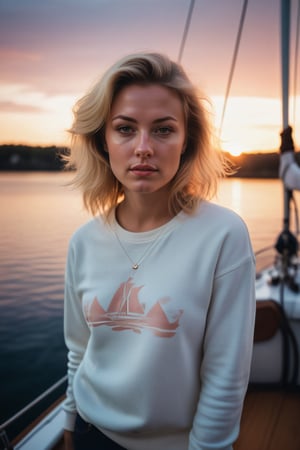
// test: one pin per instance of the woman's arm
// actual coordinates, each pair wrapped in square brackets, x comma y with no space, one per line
[227,352]
[76,332]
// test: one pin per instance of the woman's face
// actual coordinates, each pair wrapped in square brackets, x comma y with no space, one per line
[145,137]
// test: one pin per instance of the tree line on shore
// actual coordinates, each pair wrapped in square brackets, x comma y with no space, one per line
[22,158]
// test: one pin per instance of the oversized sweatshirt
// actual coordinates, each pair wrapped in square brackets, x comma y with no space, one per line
[159,356]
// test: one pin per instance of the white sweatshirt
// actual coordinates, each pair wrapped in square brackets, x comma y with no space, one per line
[159,357]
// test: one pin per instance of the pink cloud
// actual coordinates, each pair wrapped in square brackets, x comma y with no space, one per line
[12,107]
[13,54]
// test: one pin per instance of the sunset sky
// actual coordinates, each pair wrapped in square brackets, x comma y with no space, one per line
[52,50]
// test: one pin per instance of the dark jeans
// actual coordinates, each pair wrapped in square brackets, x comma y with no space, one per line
[88,437]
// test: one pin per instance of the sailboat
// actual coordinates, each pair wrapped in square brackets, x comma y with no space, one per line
[277,333]
[272,406]
[126,312]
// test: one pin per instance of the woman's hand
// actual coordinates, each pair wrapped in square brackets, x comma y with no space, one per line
[68,440]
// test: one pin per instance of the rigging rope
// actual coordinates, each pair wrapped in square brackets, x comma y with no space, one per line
[235,53]
[186,29]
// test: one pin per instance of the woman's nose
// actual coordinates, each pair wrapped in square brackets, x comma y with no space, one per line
[143,146]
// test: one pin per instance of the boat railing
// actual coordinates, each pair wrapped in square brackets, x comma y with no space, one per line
[4,441]
[264,258]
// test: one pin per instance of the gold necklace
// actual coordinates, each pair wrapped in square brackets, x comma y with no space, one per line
[136,264]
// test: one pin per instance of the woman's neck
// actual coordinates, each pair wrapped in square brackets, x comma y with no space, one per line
[139,214]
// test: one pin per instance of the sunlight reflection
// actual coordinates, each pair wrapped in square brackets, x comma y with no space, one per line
[236,196]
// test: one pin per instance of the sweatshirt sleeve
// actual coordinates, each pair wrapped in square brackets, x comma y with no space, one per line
[227,351]
[76,335]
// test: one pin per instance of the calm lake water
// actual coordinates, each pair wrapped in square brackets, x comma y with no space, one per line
[38,215]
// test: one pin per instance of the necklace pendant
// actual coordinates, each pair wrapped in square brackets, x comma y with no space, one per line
[135,266]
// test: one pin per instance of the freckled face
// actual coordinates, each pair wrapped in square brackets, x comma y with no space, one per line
[145,136]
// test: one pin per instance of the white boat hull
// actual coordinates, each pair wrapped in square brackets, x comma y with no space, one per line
[270,355]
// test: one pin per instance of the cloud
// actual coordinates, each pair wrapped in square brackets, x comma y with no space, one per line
[30,116]
[18,55]
[12,107]
[61,46]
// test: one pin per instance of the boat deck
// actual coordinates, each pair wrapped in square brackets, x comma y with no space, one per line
[270,421]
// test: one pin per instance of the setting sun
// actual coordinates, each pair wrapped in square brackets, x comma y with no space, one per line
[234,148]
[251,124]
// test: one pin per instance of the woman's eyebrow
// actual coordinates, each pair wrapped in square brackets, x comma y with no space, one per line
[121,116]
[131,119]
[163,119]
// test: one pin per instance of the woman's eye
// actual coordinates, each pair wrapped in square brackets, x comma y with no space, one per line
[125,129]
[163,130]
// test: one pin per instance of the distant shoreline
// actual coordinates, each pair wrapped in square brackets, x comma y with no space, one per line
[26,158]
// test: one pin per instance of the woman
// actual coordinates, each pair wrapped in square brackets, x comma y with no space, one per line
[159,303]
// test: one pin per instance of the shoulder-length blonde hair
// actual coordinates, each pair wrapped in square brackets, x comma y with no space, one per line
[201,164]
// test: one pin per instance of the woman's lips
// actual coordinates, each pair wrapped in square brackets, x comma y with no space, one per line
[143,169]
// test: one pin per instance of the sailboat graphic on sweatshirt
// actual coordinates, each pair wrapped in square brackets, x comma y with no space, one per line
[126,312]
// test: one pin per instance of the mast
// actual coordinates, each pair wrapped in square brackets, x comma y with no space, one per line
[287,244]
[285,59]
[285,66]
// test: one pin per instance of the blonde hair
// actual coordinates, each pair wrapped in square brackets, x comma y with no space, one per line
[201,164]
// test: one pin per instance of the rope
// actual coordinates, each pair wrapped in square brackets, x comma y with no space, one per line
[186,29]
[235,53]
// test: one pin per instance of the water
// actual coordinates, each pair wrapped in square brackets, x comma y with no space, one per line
[38,215]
